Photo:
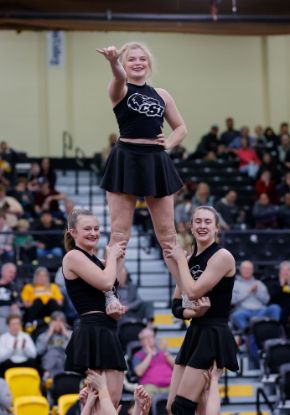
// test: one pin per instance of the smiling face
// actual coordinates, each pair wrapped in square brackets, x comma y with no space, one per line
[87,232]
[137,65]
[204,226]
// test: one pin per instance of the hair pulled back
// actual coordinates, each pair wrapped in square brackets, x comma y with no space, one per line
[69,242]
[137,45]
[210,209]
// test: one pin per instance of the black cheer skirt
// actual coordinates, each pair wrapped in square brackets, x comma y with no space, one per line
[206,341]
[140,170]
[94,344]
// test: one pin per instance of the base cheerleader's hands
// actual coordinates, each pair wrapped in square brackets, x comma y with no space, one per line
[116,310]
[176,252]
[142,401]
[117,250]
[198,308]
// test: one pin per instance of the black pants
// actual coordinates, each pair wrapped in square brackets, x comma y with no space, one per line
[7,364]
[38,310]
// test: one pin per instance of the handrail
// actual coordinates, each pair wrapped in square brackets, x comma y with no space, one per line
[67,142]
[79,157]
[260,392]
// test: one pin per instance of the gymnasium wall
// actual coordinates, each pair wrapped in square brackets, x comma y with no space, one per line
[210,77]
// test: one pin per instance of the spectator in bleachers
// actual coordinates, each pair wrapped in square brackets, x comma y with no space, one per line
[284,213]
[284,129]
[24,244]
[51,345]
[16,347]
[251,299]
[184,237]
[178,152]
[112,139]
[272,140]
[244,135]
[264,213]
[47,172]
[230,133]
[265,184]
[49,239]
[280,293]
[9,294]
[142,216]
[24,197]
[41,297]
[208,143]
[260,138]
[224,153]
[152,365]
[32,177]
[5,398]
[6,239]
[129,297]
[5,173]
[68,308]
[228,209]
[202,196]
[47,199]
[284,187]
[183,210]
[268,163]
[9,155]
[249,161]
[12,208]
[284,148]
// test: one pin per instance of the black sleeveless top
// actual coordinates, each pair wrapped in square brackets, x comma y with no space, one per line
[221,294]
[84,297]
[140,113]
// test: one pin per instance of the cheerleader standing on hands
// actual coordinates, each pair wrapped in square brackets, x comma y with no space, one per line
[139,164]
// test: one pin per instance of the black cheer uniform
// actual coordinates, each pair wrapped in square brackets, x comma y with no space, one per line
[94,343]
[140,169]
[209,337]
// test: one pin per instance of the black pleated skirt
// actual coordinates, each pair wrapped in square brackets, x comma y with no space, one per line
[94,344]
[206,341]
[140,170]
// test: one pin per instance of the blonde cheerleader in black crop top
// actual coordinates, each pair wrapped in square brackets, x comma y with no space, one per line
[209,273]
[139,164]
[94,343]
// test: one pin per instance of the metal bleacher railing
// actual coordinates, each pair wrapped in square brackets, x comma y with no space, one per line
[265,248]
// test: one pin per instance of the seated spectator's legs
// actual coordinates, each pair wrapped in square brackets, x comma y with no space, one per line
[53,361]
[273,311]
[7,364]
[56,251]
[50,307]
[38,310]
[241,318]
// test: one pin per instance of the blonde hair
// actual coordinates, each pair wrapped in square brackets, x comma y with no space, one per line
[137,45]
[69,242]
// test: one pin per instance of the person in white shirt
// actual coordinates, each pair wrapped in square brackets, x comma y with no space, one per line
[16,347]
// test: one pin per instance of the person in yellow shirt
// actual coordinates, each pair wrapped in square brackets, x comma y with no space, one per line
[41,297]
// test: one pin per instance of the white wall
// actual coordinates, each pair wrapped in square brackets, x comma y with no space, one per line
[210,77]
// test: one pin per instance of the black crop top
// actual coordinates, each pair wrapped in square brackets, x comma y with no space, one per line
[140,114]
[221,294]
[84,297]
